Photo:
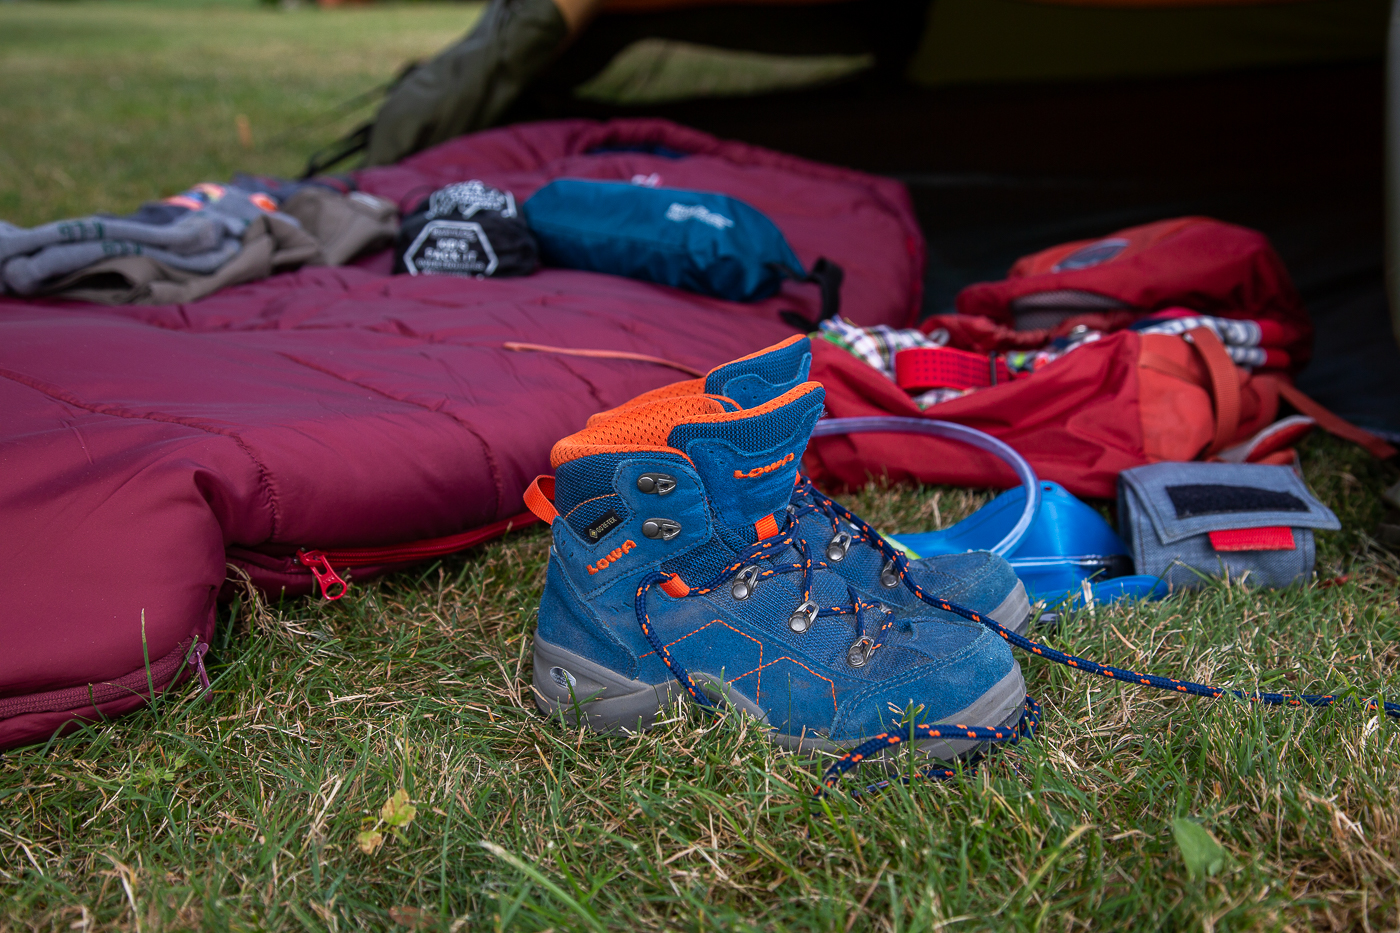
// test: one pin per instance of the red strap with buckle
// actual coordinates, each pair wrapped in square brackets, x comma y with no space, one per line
[921,368]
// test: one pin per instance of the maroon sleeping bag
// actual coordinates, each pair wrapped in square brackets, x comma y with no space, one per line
[142,447]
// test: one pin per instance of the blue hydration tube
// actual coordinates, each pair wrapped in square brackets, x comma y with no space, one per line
[947,430]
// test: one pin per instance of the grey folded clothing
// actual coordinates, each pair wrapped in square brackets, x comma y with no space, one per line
[25,275]
[272,243]
[192,233]
[196,231]
[344,225]
[192,244]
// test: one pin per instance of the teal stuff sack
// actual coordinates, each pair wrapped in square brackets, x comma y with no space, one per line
[700,241]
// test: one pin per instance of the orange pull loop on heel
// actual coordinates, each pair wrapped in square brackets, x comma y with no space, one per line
[539,498]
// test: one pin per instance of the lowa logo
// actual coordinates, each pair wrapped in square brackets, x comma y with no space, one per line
[759,471]
[612,556]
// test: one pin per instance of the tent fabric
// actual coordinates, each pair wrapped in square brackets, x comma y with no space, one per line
[344,407]
[999,41]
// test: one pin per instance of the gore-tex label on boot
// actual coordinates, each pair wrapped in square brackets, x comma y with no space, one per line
[450,247]
[605,523]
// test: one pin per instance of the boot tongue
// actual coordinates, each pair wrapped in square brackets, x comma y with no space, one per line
[748,460]
[760,378]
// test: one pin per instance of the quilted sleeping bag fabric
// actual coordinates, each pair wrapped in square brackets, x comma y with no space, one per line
[141,447]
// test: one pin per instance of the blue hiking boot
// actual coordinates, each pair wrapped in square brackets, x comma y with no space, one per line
[677,570]
[979,580]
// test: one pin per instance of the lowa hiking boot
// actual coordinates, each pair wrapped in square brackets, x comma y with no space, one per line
[978,580]
[675,570]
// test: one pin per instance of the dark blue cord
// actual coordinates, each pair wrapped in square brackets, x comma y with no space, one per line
[901,564]
[1030,711]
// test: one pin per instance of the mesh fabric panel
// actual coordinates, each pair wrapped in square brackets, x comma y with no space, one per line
[644,428]
[757,429]
[775,365]
[674,390]
[583,489]
[701,565]
[591,510]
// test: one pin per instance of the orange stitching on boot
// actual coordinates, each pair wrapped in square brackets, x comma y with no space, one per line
[759,471]
[612,556]
[610,495]
[759,670]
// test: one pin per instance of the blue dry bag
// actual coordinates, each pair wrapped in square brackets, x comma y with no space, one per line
[697,240]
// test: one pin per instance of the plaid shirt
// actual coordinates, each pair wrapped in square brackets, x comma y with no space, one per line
[877,345]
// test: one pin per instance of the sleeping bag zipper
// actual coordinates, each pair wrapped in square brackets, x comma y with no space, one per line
[323,563]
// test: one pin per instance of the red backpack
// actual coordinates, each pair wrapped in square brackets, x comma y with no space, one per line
[1122,401]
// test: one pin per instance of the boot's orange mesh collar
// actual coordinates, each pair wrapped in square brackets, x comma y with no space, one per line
[647,428]
[687,386]
[644,428]
[674,390]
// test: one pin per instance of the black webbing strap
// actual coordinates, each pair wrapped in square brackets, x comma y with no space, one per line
[827,276]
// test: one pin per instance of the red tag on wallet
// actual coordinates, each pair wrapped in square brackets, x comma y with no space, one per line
[1277,538]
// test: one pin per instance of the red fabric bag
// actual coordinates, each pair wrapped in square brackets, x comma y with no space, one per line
[1208,266]
[1123,401]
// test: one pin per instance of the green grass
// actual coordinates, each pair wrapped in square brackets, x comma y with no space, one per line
[244,811]
[108,104]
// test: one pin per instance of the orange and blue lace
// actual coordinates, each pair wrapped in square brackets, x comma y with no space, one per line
[1030,712]
[764,550]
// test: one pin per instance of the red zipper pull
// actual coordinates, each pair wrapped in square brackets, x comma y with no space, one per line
[321,569]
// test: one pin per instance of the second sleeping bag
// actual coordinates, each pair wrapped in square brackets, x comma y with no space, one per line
[700,241]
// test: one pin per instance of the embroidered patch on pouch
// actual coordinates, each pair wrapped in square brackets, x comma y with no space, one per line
[451,247]
[680,213]
[605,523]
[612,556]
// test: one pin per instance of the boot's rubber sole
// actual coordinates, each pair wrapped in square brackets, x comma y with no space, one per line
[1014,613]
[577,689]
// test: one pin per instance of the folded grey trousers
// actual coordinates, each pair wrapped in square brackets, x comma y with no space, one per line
[196,232]
[271,243]
[25,275]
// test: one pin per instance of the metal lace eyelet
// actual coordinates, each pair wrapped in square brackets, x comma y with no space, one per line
[859,653]
[803,617]
[889,577]
[662,528]
[656,483]
[836,550]
[745,583]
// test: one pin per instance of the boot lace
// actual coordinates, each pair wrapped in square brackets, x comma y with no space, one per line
[1030,714]
[764,560]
